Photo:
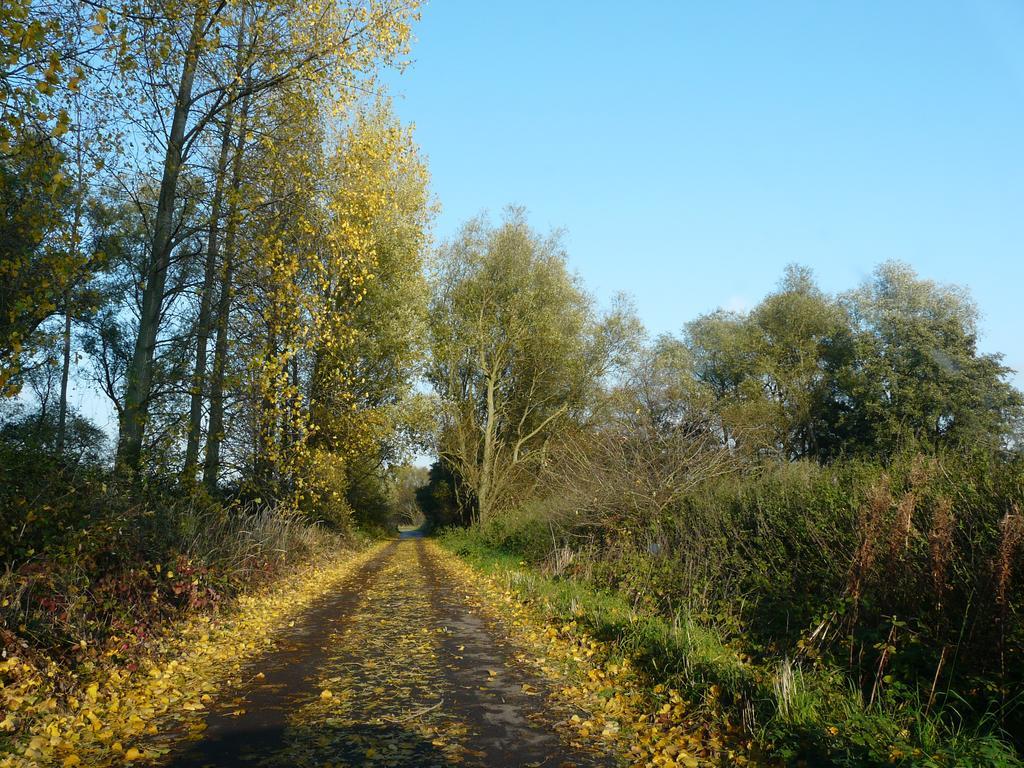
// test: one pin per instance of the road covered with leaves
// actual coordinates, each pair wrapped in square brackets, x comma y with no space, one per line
[399,655]
[402,666]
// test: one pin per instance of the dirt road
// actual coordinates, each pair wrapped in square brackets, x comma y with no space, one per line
[395,668]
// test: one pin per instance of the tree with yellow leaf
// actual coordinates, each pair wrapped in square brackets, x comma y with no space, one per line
[332,230]
[323,46]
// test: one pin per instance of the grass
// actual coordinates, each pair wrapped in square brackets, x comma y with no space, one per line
[794,712]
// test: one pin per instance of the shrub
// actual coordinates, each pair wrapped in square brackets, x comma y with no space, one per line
[525,530]
[90,564]
[888,589]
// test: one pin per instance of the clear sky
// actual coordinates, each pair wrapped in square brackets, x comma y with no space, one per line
[693,149]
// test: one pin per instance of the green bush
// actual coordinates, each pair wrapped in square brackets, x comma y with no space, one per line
[525,530]
[892,594]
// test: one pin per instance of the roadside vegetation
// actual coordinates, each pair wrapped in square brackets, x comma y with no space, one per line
[804,518]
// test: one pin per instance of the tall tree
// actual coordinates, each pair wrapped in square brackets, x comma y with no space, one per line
[204,319]
[325,44]
[34,269]
[801,342]
[724,363]
[363,391]
[512,339]
[221,318]
[919,376]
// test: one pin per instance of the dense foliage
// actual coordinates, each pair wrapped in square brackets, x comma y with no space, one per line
[828,488]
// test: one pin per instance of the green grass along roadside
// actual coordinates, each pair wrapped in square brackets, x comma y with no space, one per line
[795,714]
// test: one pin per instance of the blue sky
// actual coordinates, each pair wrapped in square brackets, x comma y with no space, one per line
[692,150]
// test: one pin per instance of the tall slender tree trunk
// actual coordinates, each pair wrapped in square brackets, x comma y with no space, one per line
[140,370]
[215,426]
[76,229]
[483,496]
[204,321]
[62,408]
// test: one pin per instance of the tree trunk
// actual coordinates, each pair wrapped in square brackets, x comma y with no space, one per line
[483,495]
[62,408]
[76,228]
[203,323]
[215,427]
[140,371]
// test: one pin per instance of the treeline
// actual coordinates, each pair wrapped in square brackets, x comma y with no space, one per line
[820,497]
[213,226]
[204,204]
